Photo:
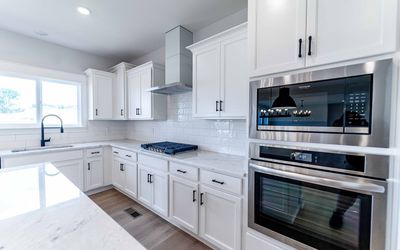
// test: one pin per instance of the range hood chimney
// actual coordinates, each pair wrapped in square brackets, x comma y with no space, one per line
[178,62]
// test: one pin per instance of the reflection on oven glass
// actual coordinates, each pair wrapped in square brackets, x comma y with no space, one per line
[325,214]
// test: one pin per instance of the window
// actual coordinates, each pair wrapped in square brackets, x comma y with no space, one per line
[24,101]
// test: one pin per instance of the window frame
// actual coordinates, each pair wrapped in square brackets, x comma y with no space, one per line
[39,75]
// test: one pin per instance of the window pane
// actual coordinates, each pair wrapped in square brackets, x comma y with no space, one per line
[60,99]
[17,100]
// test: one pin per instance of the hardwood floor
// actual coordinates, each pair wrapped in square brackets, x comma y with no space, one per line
[149,229]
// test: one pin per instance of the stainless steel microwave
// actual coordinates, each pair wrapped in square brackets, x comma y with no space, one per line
[347,105]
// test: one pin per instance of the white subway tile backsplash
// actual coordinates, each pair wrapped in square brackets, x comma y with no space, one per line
[225,136]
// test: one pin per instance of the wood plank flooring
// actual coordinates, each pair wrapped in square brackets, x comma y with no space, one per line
[149,229]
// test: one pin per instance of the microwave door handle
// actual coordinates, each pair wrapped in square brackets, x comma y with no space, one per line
[360,187]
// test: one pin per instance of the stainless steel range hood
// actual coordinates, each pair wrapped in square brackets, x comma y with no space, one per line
[178,62]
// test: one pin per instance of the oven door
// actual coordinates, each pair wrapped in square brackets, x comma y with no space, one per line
[306,210]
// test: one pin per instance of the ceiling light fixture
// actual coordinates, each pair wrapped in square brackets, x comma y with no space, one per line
[83,10]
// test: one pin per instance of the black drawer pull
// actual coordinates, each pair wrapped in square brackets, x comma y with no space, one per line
[181,171]
[122,112]
[219,182]
[216,106]
[201,199]
[220,105]
[194,195]
[97,152]
[300,42]
[115,152]
[121,167]
[148,178]
[128,156]
[88,166]
[309,45]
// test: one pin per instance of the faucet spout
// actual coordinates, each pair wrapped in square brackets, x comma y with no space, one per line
[43,141]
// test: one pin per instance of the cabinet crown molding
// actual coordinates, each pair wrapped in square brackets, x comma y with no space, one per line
[215,38]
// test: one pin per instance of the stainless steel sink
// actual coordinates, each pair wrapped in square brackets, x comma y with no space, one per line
[40,148]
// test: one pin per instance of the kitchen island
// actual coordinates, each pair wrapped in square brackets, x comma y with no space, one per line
[42,209]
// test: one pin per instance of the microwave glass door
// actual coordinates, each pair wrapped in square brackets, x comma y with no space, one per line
[321,106]
[318,216]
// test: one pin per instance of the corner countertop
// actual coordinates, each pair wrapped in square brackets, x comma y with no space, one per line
[42,209]
[232,165]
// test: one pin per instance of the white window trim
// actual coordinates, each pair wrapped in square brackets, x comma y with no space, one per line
[42,74]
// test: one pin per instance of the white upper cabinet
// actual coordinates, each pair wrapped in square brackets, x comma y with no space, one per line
[100,86]
[285,35]
[277,31]
[346,29]
[220,75]
[119,90]
[142,104]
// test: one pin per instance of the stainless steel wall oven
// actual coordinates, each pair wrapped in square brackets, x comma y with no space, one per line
[318,199]
[345,105]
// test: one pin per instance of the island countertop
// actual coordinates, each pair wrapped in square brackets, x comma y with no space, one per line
[42,209]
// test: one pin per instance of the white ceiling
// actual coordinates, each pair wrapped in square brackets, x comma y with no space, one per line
[118,29]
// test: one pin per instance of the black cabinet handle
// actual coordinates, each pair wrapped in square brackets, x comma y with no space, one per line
[309,45]
[148,178]
[181,171]
[128,156]
[219,182]
[115,152]
[97,112]
[138,111]
[201,199]
[122,112]
[121,167]
[220,105]
[194,195]
[216,106]
[300,42]
[97,152]
[88,166]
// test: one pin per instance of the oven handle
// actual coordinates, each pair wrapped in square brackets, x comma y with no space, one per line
[362,187]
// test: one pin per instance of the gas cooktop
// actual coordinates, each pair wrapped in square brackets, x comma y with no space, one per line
[170,148]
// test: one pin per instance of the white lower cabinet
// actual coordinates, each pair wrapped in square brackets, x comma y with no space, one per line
[184,206]
[94,173]
[153,189]
[220,218]
[124,176]
[71,169]
[131,179]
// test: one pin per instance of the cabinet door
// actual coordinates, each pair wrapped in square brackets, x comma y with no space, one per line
[133,95]
[94,173]
[234,77]
[160,192]
[206,82]
[275,27]
[131,179]
[118,174]
[119,112]
[184,203]
[72,170]
[102,87]
[146,96]
[220,218]
[145,192]
[348,29]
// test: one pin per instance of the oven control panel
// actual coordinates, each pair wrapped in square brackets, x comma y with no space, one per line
[299,156]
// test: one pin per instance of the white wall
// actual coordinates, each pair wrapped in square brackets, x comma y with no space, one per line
[23,49]
[225,136]
[24,52]
[225,23]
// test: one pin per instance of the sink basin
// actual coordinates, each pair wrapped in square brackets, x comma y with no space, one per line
[40,148]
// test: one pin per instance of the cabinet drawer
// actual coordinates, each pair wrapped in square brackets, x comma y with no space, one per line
[125,154]
[184,171]
[224,182]
[153,162]
[92,152]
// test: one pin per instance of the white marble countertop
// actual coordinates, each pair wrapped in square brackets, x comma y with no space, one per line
[42,209]
[232,165]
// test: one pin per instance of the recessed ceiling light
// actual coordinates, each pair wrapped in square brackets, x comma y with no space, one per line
[40,33]
[83,10]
